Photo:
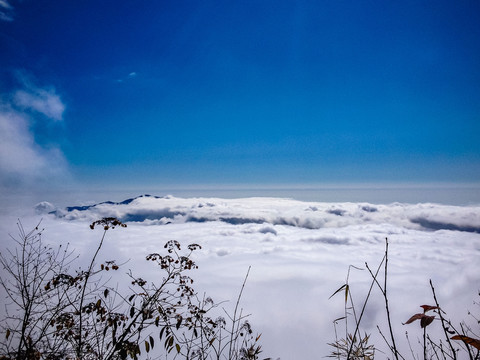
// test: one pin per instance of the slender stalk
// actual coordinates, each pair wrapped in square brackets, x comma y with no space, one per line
[395,352]
[364,306]
[230,351]
[82,297]
[425,343]
[442,319]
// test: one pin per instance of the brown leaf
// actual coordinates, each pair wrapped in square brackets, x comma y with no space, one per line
[426,320]
[413,318]
[428,308]
[468,340]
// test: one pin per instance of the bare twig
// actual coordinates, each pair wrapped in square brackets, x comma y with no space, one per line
[235,320]
[442,319]
[364,305]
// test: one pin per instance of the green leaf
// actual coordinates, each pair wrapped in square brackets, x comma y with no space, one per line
[169,342]
[162,331]
[178,348]
[147,346]
[346,293]
[179,322]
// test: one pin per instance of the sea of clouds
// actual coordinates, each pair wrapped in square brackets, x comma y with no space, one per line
[299,253]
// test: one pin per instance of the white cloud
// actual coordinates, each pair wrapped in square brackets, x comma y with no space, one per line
[275,211]
[130,76]
[4,4]
[23,162]
[6,11]
[44,101]
[300,253]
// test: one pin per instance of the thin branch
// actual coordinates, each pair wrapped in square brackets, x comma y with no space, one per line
[444,327]
[395,352]
[230,351]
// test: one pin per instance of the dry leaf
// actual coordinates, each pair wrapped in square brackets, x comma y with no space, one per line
[413,318]
[428,308]
[426,320]
[468,340]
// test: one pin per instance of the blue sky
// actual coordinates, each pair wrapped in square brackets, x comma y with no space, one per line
[189,92]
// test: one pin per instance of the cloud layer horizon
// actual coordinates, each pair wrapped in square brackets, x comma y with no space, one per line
[299,253]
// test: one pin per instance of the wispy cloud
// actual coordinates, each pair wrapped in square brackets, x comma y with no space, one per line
[24,162]
[130,76]
[6,11]
[42,100]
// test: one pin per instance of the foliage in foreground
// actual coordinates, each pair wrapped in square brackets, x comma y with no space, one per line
[54,313]
[356,346]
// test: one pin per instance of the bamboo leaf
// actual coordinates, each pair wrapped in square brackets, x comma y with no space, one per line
[338,290]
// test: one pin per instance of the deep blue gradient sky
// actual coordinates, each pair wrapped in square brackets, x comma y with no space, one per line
[250,91]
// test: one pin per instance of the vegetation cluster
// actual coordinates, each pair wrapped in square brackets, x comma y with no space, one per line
[354,345]
[54,312]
